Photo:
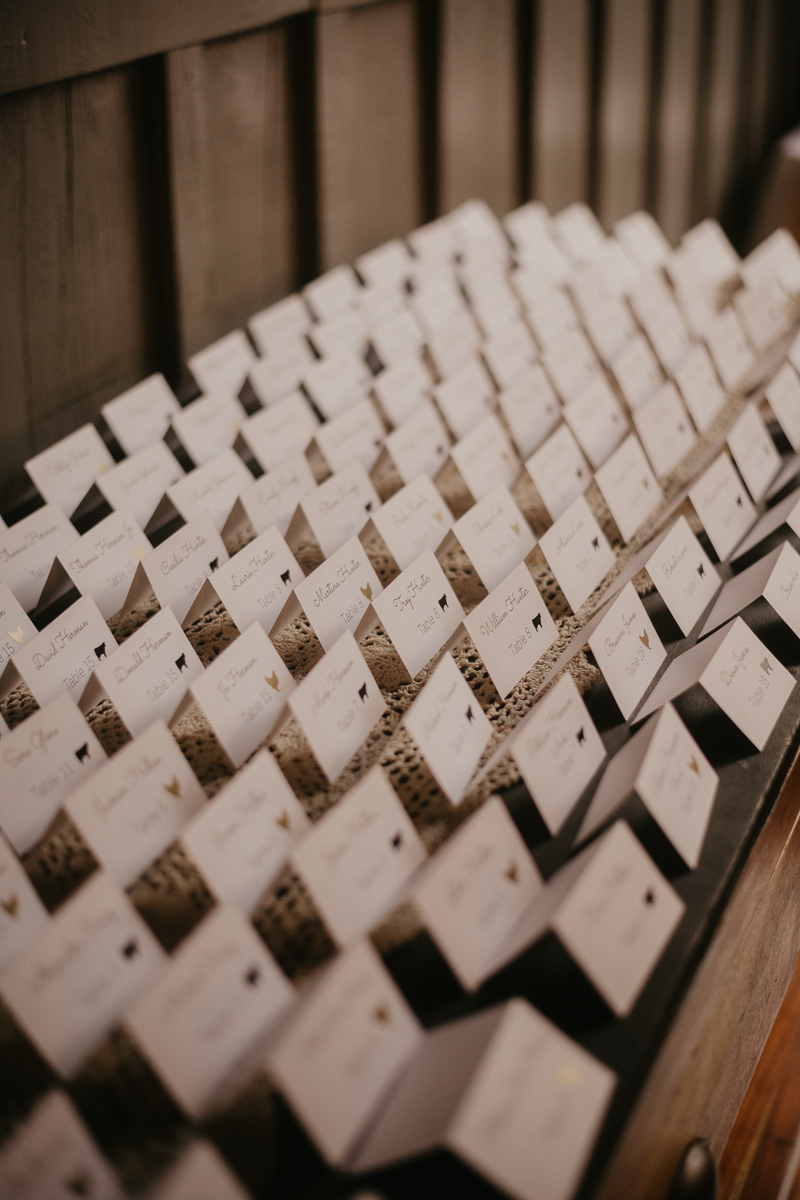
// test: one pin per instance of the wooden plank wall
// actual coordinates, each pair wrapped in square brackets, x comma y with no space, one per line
[166,170]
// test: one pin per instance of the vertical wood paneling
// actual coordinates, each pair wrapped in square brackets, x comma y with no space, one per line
[561,121]
[478,104]
[75,292]
[368,123]
[678,116]
[722,108]
[625,103]
[231,182]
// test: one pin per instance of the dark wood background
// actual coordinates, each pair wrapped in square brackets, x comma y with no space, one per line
[169,167]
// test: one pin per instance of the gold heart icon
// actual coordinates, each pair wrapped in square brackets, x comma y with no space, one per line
[693,765]
[272,680]
[138,552]
[514,527]
[381,1014]
[512,872]
[644,638]
[367,591]
[173,787]
[11,905]
[17,635]
[283,820]
[437,516]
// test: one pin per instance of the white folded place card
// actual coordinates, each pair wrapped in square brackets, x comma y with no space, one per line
[402,388]
[28,549]
[138,483]
[242,839]
[559,471]
[420,444]
[558,751]
[147,677]
[432,242]
[436,302]
[610,326]
[140,417]
[530,407]
[337,510]
[344,334]
[628,650]
[667,770]
[276,434]
[101,564]
[210,1008]
[337,596]
[243,693]
[774,577]
[273,499]
[213,489]
[511,629]
[420,611]
[414,519]
[684,575]
[288,319]
[199,1169]
[783,394]
[665,430]
[523,1109]
[577,552]
[397,339]
[332,293]
[597,420]
[465,397]
[785,512]
[224,365]
[22,914]
[668,335]
[209,425]
[723,506]
[728,346]
[754,451]
[337,705]
[73,982]
[136,804]
[16,627]
[347,1040]
[278,375]
[579,232]
[571,363]
[552,317]
[65,471]
[41,760]
[389,263]
[614,912]
[495,536]
[450,728]
[356,435]
[700,387]
[52,1154]
[63,655]
[474,890]
[738,672]
[637,372]
[255,585]
[358,858]
[777,258]
[485,458]
[176,570]
[509,353]
[333,384]
[629,487]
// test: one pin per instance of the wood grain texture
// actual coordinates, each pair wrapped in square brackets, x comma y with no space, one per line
[625,102]
[75,284]
[759,1151]
[678,117]
[231,182]
[42,41]
[560,124]
[721,128]
[368,123]
[704,1067]
[478,109]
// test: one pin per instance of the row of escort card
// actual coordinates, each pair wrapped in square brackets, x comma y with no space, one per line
[481,896]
